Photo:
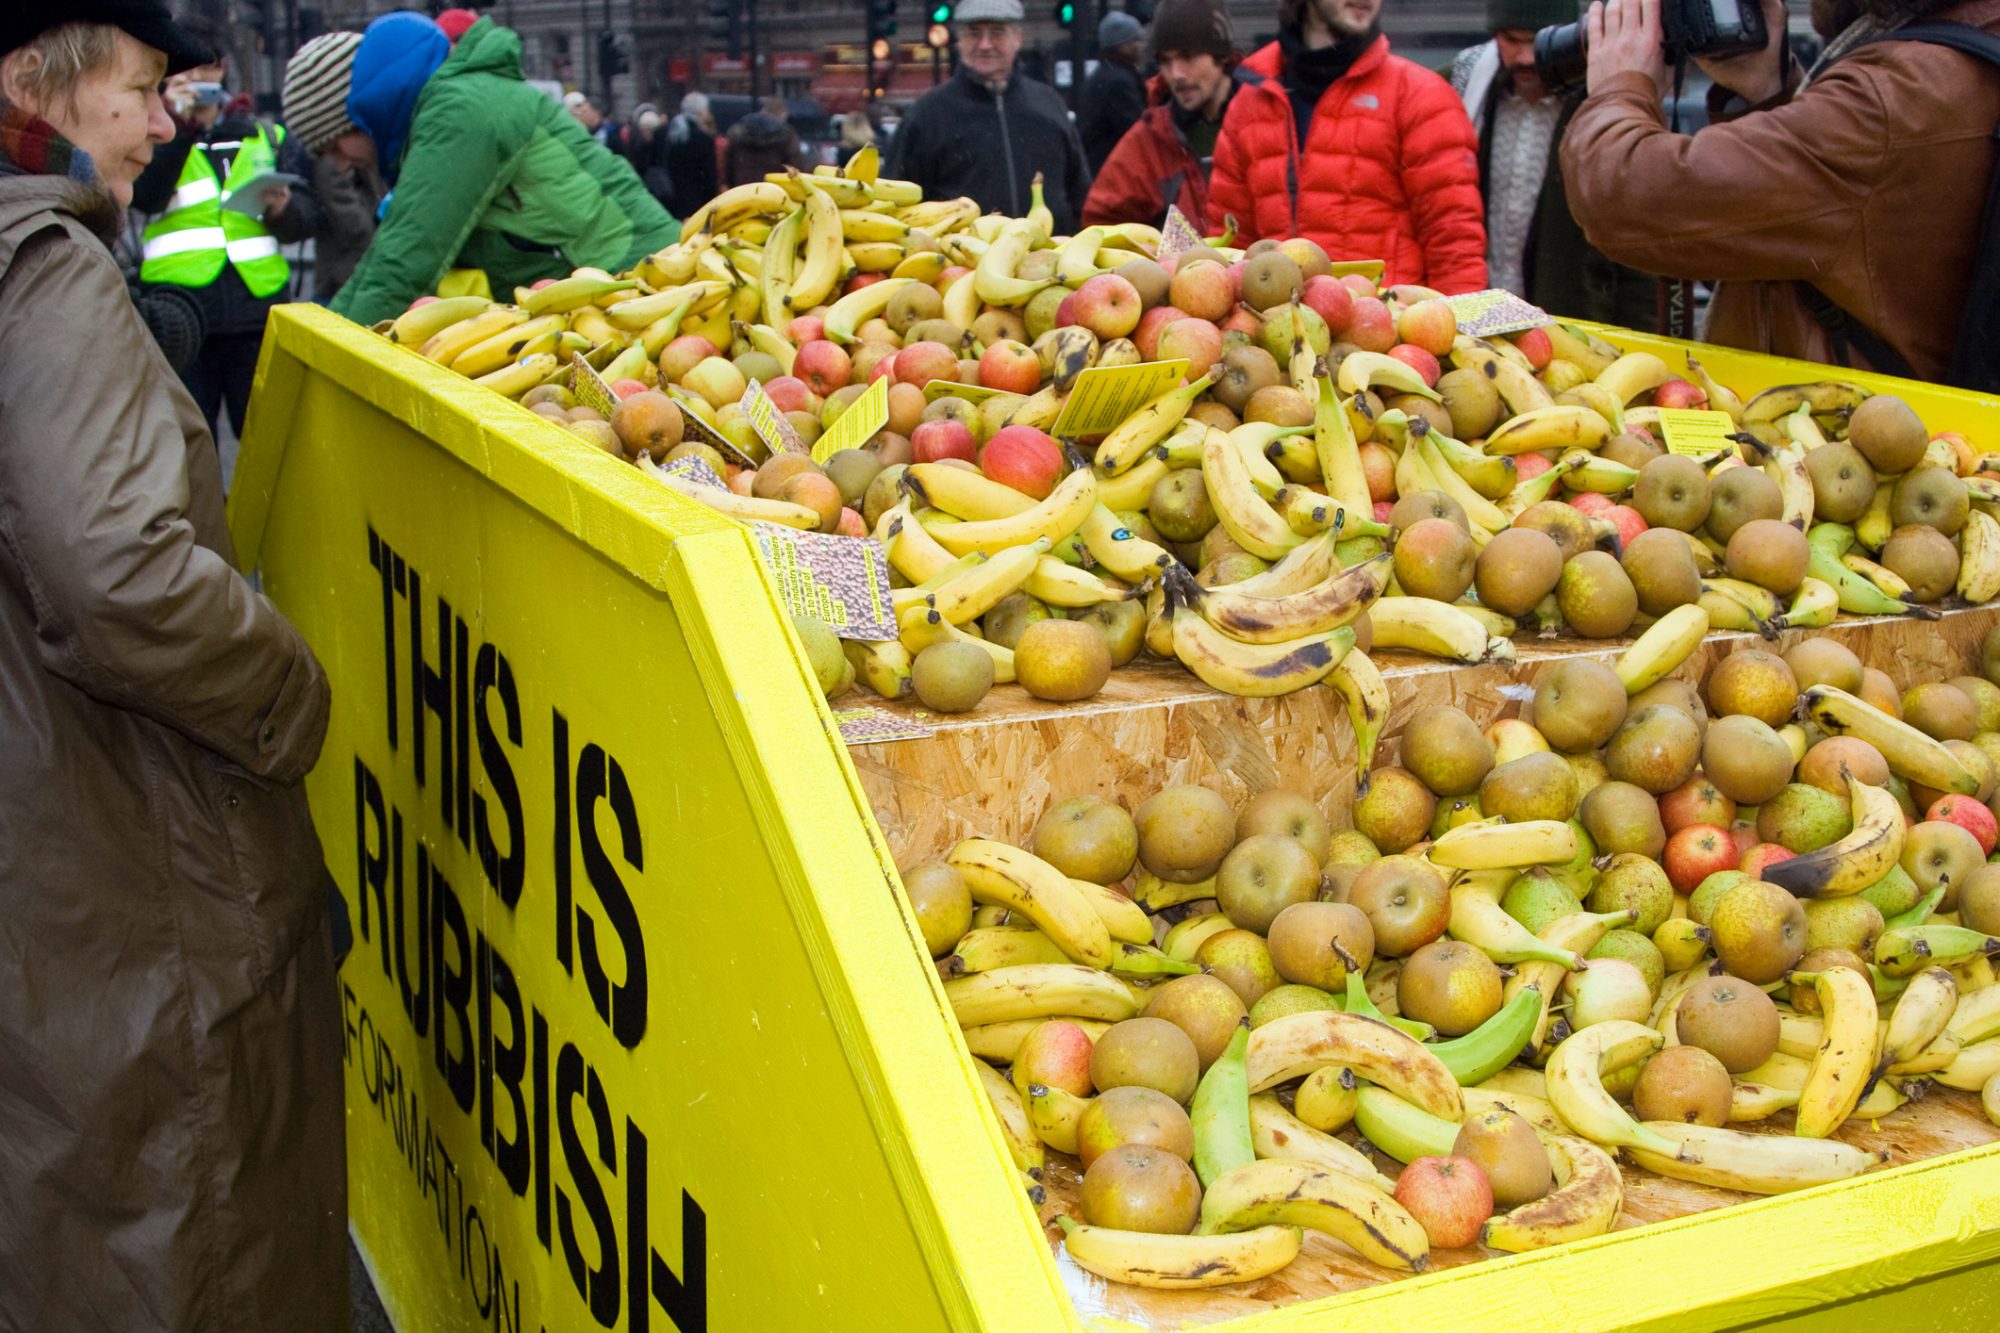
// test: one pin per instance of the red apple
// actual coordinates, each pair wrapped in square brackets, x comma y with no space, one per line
[1592,503]
[790,393]
[804,329]
[1066,311]
[1449,1196]
[1378,465]
[1196,339]
[683,354]
[884,365]
[1242,320]
[1203,290]
[1359,285]
[1529,466]
[1680,394]
[1535,345]
[1146,333]
[422,301]
[742,479]
[1384,508]
[1022,457]
[824,366]
[1372,328]
[946,437]
[1108,305]
[950,275]
[626,388]
[1629,521]
[1696,801]
[860,280]
[1746,836]
[1055,1055]
[1417,359]
[1696,852]
[1969,815]
[921,362]
[539,283]
[1011,367]
[1430,325]
[851,524]
[1968,457]
[1331,299]
[1763,854]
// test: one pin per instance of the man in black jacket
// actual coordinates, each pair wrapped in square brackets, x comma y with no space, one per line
[988,130]
[1114,96]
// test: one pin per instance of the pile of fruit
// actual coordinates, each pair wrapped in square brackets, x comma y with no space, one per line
[1638,918]
[1340,468]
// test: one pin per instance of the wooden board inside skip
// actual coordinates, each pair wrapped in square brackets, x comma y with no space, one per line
[992,772]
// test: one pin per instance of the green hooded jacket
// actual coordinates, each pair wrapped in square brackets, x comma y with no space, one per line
[497,176]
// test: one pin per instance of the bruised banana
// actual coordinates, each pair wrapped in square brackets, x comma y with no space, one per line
[1040,990]
[1245,515]
[1922,1015]
[1179,1263]
[1277,1134]
[1555,427]
[1289,1047]
[1361,687]
[1751,1163]
[1842,1066]
[1586,1201]
[1868,852]
[1253,670]
[1664,645]
[1022,1145]
[1909,752]
[1338,601]
[1291,1193]
[1434,628]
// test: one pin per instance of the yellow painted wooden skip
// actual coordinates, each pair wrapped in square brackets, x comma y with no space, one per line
[638,1031]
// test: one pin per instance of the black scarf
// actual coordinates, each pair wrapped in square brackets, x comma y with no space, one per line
[1308,71]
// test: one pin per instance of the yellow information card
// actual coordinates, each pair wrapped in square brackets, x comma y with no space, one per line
[769,423]
[1694,432]
[1103,396]
[853,428]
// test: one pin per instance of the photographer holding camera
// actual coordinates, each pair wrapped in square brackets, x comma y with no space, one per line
[1840,208]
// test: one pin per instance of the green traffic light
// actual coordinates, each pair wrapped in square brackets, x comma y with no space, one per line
[1066,14]
[940,13]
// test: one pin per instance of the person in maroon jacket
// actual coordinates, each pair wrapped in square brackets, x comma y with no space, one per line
[1165,158]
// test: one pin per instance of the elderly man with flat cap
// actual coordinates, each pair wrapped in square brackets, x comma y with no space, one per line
[989,129]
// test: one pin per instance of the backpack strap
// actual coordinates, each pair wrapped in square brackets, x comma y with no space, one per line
[1845,330]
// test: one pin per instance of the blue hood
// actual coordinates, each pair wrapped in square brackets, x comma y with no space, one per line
[397,56]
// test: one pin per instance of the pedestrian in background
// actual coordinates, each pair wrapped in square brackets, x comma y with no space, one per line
[1114,96]
[171,1106]
[690,155]
[344,176]
[1534,247]
[217,243]
[1368,154]
[1166,158]
[986,131]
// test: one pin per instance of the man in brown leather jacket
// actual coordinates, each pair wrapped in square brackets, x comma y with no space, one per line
[1865,176]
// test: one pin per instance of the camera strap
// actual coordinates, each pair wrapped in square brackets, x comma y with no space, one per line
[1675,313]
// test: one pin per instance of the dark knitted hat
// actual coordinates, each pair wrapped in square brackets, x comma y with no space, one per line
[1528,15]
[1193,27]
[148,20]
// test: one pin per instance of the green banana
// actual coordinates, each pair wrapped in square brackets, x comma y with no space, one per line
[1358,1002]
[1220,1112]
[1492,1046]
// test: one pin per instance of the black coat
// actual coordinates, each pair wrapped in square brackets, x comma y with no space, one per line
[962,138]
[687,153]
[1114,97]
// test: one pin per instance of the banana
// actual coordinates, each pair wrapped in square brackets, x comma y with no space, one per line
[1338,452]
[1909,752]
[1059,583]
[1496,844]
[420,323]
[1124,920]
[1517,386]
[994,276]
[1040,990]
[1187,936]
[1682,942]
[919,627]
[869,228]
[1979,560]
[965,494]
[1119,549]
[581,288]
[1482,512]
[1278,1135]
[1750,1101]
[1310,562]
[1886,580]
[1787,467]
[1492,1046]
[1721,398]
[1816,605]
[1247,516]
[1338,601]
[913,552]
[759,199]
[764,338]
[1585,471]
[1906,950]
[1976,1015]
[1586,1201]
[1127,442]
[1325,1099]
[1489,474]
[1919,1021]
[1751,1163]
[1872,530]
[515,380]
[1022,882]
[859,306]
[1359,1002]
[1154,894]
[1055,1114]
[1076,262]
[1001,1042]
[1974,1067]
[1293,1193]
[925,266]
[1065,353]
[1536,489]
[1286,1048]
[1219,1113]
[1840,1071]
[1131,489]
[1665,644]
[1581,348]
[1633,374]
[1253,670]
[1361,371]
[975,592]
[1826,398]
[1143,960]
[1554,427]
[844,192]
[1366,695]
[1800,428]
[939,216]
[1477,919]
[825,262]
[1576,1084]
[1826,561]
[1022,1145]
[1861,858]
[1400,1130]
[984,948]
[653,339]
[1989,1099]
[451,342]
[1178,1263]
[1739,605]
[1055,518]
[882,667]
[1425,625]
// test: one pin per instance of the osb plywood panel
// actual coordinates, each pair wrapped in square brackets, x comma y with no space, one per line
[993,771]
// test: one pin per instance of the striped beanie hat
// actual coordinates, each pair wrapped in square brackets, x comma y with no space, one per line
[316,81]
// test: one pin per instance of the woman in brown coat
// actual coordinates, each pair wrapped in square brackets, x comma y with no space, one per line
[170,1088]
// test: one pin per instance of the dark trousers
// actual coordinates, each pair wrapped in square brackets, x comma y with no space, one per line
[221,376]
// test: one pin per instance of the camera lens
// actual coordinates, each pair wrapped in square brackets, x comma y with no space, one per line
[1560,57]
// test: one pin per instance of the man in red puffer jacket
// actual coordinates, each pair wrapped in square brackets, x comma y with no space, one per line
[1332,138]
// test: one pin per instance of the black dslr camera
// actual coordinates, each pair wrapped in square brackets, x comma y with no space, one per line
[1690,28]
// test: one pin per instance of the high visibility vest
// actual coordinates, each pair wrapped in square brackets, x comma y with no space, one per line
[187,244]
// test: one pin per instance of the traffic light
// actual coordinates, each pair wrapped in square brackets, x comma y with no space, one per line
[725,25]
[1066,13]
[611,56]
[940,11]
[881,20]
